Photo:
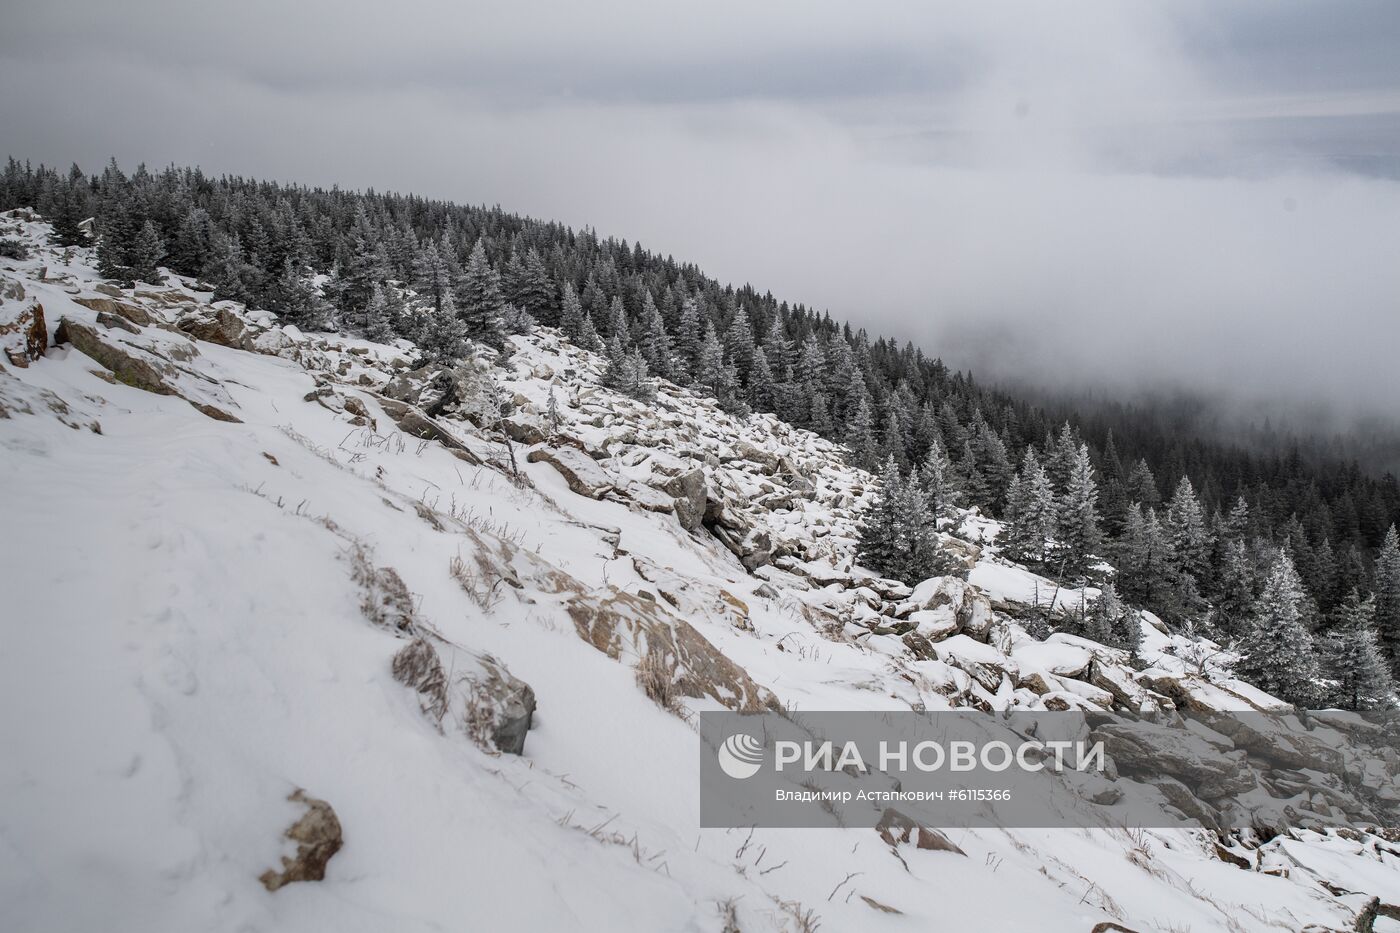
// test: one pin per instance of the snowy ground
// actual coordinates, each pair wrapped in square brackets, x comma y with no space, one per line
[184,646]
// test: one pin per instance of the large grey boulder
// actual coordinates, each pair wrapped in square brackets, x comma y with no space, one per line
[583,474]
[688,489]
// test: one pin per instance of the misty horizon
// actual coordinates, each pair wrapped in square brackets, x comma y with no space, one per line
[1140,199]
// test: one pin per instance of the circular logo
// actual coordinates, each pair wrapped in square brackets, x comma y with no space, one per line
[741,756]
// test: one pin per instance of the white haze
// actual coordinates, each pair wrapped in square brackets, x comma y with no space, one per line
[1079,194]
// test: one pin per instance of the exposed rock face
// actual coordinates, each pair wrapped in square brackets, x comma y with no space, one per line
[24,334]
[624,626]
[688,489]
[415,422]
[128,366]
[317,836]
[1212,769]
[583,474]
[970,608]
[500,707]
[896,828]
[217,325]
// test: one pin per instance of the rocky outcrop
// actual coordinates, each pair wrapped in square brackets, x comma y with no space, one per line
[688,489]
[23,334]
[624,626]
[490,704]
[217,325]
[1211,769]
[414,422]
[129,365]
[318,838]
[895,829]
[583,474]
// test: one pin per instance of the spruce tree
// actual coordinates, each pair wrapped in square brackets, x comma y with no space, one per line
[939,480]
[432,277]
[1191,540]
[1030,512]
[571,314]
[1278,654]
[588,338]
[710,370]
[445,338]
[881,546]
[375,323]
[145,254]
[860,437]
[1387,591]
[1234,602]
[480,299]
[1111,623]
[688,341]
[1142,486]
[1078,526]
[295,300]
[1352,658]
[761,383]
[739,343]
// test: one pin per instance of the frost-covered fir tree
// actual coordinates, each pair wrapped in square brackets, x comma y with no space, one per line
[616,322]
[711,371]
[145,254]
[860,437]
[480,300]
[627,372]
[739,343]
[432,277]
[445,337]
[295,300]
[1111,623]
[1234,602]
[1191,540]
[588,338]
[939,480]
[688,341]
[653,341]
[761,383]
[374,323]
[571,314]
[1352,659]
[1278,654]
[1388,597]
[881,546]
[899,537]
[892,442]
[1078,518]
[1030,512]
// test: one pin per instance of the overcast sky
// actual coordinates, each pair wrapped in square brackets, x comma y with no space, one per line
[1195,191]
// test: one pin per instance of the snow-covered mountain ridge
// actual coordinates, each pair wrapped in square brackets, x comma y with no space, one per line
[244,561]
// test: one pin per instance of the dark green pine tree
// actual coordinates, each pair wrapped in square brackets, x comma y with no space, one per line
[882,546]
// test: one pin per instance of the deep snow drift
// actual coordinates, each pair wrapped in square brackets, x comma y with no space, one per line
[221,536]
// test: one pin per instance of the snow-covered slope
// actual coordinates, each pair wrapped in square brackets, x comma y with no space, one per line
[233,552]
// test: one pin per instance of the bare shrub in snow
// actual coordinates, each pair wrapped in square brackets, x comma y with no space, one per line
[418,667]
[385,599]
[479,579]
[656,675]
